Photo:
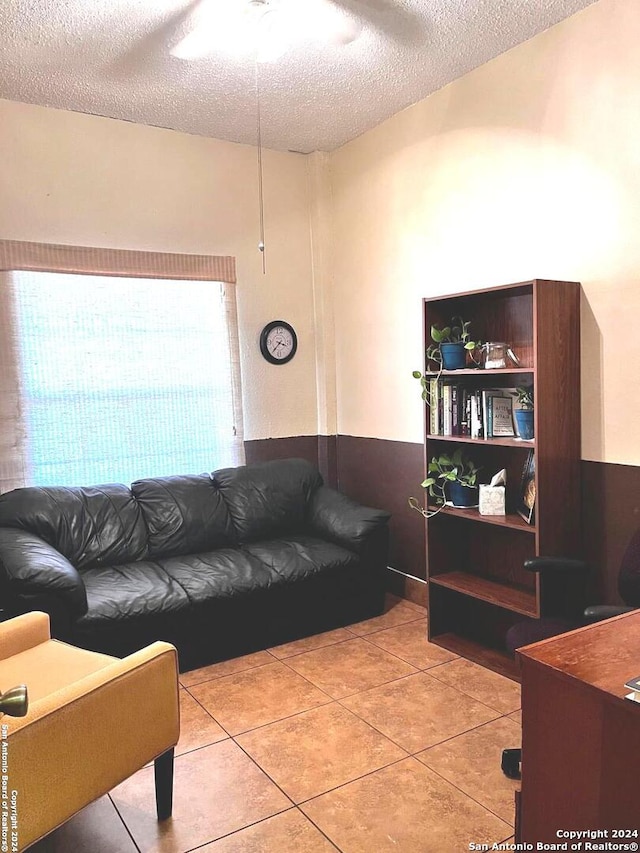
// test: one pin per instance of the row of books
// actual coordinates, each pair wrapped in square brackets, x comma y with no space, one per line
[458,410]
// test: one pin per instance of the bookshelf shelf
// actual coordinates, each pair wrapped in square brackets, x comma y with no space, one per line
[477,586]
[511,520]
[512,597]
[466,439]
[477,372]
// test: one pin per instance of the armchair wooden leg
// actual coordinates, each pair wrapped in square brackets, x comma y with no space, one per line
[163,769]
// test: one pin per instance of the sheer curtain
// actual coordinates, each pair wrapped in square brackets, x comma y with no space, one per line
[110,379]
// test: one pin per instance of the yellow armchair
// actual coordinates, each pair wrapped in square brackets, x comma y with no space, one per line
[93,721]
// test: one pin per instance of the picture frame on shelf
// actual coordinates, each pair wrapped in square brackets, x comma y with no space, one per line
[527,504]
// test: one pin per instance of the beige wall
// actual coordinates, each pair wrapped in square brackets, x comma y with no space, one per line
[85,180]
[527,167]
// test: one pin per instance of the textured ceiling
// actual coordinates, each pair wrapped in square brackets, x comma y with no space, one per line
[113,58]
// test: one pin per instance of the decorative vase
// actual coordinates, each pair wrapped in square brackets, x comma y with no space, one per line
[454,356]
[462,496]
[524,422]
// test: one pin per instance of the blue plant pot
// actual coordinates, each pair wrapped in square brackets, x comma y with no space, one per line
[463,496]
[524,422]
[454,356]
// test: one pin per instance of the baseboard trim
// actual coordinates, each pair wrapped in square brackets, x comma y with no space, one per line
[406,586]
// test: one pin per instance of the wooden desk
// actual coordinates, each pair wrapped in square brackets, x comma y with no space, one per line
[580,736]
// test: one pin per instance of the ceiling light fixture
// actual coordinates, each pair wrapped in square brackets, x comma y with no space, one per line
[262,29]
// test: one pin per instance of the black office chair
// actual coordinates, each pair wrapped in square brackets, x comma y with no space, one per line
[565,574]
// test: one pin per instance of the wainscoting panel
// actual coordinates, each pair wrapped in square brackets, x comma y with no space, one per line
[384,474]
[320,450]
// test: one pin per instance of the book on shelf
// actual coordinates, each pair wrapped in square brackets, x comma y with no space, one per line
[455,411]
[634,686]
[446,410]
[489,401]
[501,416]
[527,505]
[477,426]
[458,409]
[434,414]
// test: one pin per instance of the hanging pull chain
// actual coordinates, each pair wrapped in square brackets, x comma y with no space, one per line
[260,192]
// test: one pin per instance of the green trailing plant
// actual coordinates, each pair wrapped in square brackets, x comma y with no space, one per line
[457,332]
[443,469]
[424,384]
[525,396]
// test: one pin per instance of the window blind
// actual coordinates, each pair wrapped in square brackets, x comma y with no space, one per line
[118,379]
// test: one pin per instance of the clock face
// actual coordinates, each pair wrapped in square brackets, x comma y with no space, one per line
[278,342]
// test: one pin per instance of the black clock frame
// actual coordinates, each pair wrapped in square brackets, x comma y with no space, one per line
[264,334]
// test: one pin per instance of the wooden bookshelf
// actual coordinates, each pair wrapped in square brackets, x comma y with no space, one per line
[477,586]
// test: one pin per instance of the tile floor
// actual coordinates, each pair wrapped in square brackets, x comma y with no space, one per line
[366,739]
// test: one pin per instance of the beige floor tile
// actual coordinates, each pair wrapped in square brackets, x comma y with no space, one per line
[197,727]
[403,808]
[409,642]
[96,829]
[225,667]
[318,750]
[419,711]
[349,667]
[308,644]
[289,832]
[217,790]
[471,762]
[486,686]
[516,717]
[397,612]
[258,696]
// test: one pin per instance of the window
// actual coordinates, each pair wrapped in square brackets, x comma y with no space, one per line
[121,378]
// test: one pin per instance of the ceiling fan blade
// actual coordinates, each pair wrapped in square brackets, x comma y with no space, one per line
[384,16]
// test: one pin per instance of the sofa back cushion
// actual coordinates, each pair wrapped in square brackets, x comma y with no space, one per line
[184,515]
[91,526]
[268,499]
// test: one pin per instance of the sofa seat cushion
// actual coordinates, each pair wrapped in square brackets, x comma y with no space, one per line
[299,557]
[221,574]
[174,585]
[130,591]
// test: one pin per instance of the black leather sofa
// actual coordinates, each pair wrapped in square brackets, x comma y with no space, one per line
[217,564]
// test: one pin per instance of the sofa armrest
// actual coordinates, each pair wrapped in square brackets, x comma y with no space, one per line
[555,564]
[342,520]
[31,568]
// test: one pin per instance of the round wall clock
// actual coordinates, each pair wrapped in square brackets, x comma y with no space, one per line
[278,342]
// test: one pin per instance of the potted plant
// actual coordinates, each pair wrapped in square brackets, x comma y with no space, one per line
[451,344]
[452,479]
[524,415]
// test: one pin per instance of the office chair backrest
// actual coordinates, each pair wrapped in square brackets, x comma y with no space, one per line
[629,577]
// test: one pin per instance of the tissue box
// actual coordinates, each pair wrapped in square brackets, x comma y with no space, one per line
[492,501]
